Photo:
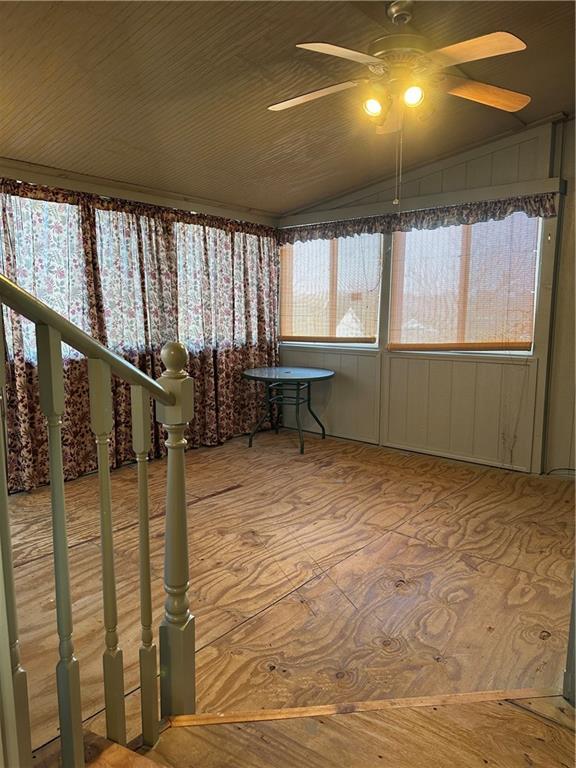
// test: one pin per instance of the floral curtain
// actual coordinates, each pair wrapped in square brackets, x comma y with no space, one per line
[543,205]
[136,265]
[227,318]
[134,277]
[41,250]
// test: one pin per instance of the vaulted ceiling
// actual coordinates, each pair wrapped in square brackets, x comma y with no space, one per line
[172,95]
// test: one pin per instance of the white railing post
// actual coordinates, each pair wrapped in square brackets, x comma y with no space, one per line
[112,660]
[141,442]
[21,733]
[177,684]
[9,746]
[51,381]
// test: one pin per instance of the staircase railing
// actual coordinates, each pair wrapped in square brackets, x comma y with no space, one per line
[174,396]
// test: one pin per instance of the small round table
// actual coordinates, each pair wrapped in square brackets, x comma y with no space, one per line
[287,386]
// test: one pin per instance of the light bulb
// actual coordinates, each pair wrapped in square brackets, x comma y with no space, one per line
[413,96]
[372,107]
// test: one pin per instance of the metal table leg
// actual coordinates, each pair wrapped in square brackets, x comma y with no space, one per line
[316,419]
[274,400]
[278,394]
[298,421]
[262,419]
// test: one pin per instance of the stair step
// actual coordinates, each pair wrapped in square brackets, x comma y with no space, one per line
[98,753]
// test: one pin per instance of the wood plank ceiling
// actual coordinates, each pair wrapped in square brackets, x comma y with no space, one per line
[173,95]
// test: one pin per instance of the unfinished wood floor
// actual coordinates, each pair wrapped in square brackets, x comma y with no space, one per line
[501,735]
[350,573]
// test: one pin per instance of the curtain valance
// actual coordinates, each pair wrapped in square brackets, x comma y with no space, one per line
[543,205]
[58,195]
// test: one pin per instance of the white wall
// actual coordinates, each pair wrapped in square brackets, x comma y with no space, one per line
[349,404]
[560,411]
[512,165]
[465,407]
[485,408]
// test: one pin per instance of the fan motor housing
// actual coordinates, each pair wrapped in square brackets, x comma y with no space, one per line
[408,51]
[401,43]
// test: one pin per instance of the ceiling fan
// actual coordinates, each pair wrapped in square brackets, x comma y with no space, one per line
[403,68]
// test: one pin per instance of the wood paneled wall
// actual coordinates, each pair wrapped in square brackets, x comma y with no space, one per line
[522,157]
[468,408]
[560,412]
[349,404]
[484,409]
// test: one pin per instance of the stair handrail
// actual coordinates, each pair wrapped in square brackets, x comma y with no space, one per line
[35,310]
[174,395]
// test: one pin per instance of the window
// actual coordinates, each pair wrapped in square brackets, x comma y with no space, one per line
[41,250]
[138,276]
[466,287]
[330,290]
[117,248]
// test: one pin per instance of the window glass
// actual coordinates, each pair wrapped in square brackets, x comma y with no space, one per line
[330,290]
[466,287]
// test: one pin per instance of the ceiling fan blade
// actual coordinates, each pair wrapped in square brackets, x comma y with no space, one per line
[312,95]
[393,121]
[343,53]
[494,44]
[483,93]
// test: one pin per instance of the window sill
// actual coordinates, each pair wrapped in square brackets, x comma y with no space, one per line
[351,349]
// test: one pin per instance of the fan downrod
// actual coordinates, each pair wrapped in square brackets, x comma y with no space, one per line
[400,12]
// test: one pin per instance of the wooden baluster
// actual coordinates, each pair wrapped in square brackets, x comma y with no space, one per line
[102,424]
[177,685]
[148,667]
[48,342]
[23,756]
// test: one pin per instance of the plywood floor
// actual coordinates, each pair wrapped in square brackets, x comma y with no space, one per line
[500,735]
[350,573]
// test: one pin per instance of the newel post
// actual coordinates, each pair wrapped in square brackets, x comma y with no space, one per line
[177,685]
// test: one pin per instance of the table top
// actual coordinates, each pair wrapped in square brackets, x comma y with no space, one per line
[288,374]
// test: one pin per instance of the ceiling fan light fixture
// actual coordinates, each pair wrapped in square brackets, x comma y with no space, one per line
[413,96]
[372,107]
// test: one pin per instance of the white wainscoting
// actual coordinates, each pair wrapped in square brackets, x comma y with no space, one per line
[473,408]
[349,404]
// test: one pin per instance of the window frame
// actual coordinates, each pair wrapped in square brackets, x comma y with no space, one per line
[448,351]
[335,343]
